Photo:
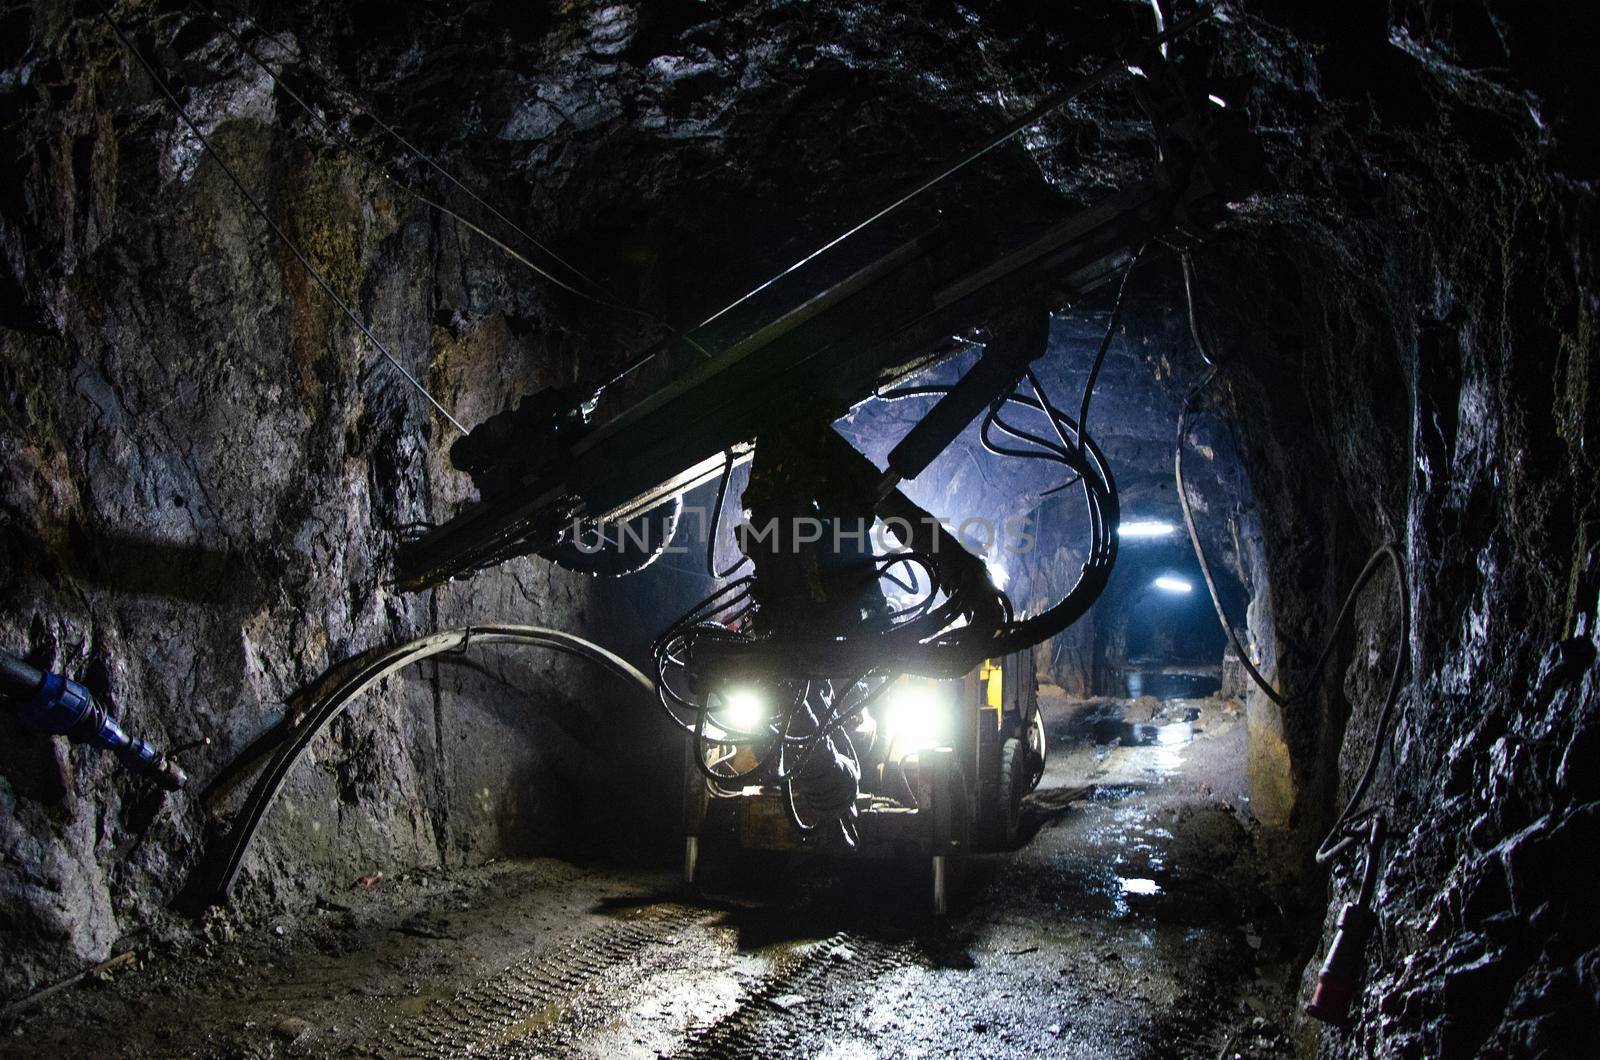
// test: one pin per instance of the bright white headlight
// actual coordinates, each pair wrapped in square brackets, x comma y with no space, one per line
[918,718]
[743,710]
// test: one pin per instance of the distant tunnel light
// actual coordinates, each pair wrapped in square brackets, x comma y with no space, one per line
[1218,100]
[1144,528]
[1169,584]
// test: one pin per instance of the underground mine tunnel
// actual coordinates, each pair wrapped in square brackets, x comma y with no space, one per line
[838,529]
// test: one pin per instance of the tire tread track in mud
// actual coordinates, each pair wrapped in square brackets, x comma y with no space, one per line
[486,1016]
[759,1028]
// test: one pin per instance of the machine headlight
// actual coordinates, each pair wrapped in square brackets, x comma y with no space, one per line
[918,717]
[741,711]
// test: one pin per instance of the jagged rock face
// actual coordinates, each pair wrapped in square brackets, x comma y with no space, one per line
[1436,192]
[204,466]
[205,470]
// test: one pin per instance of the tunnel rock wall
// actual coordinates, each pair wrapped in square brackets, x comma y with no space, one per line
[1414,363]
[203,469]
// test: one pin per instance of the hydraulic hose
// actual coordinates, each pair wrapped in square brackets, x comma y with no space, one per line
[334,694]
[17,678]
[58,706]
[1384,553]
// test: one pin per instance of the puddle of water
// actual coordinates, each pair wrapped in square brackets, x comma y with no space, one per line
[1114,792]
[1174,734]
[413,1006]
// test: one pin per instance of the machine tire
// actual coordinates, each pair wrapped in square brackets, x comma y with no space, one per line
[1013,786]
[1000,809]
[1038,749]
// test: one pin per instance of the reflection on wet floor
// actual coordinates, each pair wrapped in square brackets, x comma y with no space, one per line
[1174,682]
[1105,722]
[1133,920]
[1122,926]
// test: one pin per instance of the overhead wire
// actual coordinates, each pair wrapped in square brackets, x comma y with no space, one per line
[395,134]
[1055,101]
[261,211]
[1111,331]
[598,296]
[1340,837]
[1187,267]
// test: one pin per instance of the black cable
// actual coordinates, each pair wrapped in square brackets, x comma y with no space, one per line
[603,298]
[1188,298]
[962,619]
[1338,838]
[1048,105]
[1385,552]
[972,622]
[1073,481]
[382,171]
[1105,343]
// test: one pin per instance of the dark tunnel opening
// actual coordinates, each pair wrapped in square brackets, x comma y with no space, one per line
[329,330]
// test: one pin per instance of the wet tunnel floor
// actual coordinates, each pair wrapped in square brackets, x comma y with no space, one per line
[1135,919]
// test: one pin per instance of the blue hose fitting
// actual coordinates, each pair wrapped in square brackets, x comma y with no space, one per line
[59,706]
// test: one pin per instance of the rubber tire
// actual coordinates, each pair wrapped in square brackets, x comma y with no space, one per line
[1038,749]
[1000,813]
[1013,786]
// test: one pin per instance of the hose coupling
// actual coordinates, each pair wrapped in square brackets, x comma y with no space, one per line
[58,706]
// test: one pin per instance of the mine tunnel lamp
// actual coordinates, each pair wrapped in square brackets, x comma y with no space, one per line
[1144,528]
[918,716]
[742,710]
[1167,583]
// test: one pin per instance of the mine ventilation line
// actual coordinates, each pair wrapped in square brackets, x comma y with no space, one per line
[758,1028]
[261,211]
[534,992]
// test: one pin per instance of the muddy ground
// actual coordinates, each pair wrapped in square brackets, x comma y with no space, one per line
[1140,917]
